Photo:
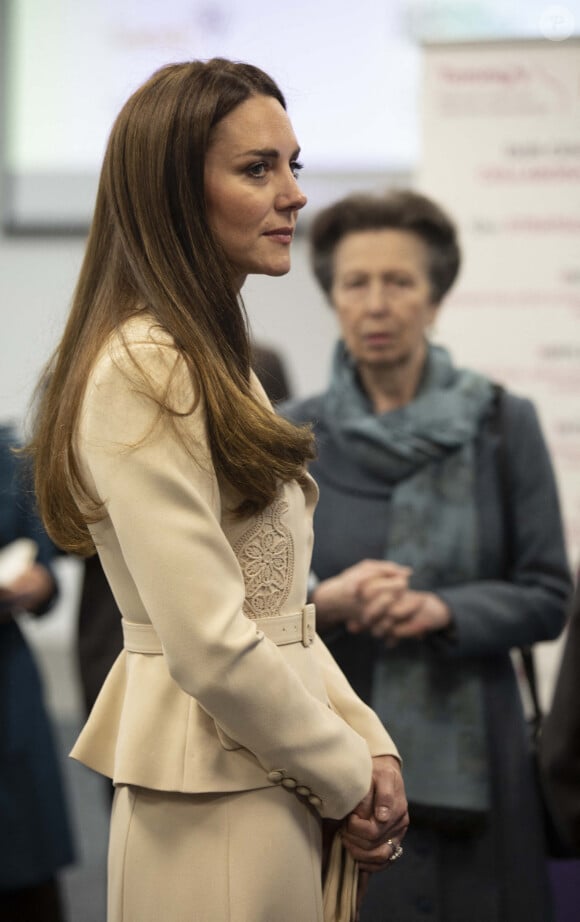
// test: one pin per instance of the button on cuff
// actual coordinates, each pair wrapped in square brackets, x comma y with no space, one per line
[289,783]
[275,776]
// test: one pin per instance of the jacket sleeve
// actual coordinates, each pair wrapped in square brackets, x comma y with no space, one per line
[527,604]
[160,494]
[352,709]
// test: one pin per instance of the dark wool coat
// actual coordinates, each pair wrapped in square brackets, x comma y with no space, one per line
[499,873]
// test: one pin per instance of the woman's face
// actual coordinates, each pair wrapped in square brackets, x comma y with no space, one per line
[251,190]
[382,296]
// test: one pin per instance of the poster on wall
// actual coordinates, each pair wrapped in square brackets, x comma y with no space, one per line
[501,151]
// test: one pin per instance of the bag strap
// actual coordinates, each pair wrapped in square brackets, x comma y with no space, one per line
[526,653]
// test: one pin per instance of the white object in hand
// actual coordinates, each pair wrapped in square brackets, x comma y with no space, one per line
[15,559]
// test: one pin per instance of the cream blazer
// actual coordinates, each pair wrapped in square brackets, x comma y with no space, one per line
[223,708]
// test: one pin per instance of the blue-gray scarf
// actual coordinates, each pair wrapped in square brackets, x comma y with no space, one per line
[424,451]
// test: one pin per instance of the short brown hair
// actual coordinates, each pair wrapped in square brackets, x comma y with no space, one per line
[401,209]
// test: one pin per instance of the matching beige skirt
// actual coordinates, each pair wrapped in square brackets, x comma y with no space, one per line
[253,856]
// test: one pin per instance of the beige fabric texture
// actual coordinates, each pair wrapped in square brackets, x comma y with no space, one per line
[247,857]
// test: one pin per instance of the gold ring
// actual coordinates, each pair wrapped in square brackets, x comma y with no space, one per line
[397,849]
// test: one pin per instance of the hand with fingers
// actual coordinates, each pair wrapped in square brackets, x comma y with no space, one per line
[27,592]
[415,614]
[378,592]
[373,832]
[358,595]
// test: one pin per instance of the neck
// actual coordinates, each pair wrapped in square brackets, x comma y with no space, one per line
[239,281]
[392,386]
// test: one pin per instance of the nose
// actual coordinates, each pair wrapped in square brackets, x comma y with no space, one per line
[377,298]
[290,196]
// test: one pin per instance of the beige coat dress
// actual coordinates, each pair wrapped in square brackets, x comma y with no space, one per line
[223,687]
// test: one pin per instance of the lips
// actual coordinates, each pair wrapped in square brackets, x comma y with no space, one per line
[280,234]
[378,337]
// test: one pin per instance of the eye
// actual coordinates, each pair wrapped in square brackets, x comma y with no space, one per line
[355,281]
[402,281]
[257,170]
[296,166]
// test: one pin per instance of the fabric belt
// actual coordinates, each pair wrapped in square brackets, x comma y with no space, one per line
[298,627]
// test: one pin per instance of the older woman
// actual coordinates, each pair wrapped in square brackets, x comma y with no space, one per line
[419,587]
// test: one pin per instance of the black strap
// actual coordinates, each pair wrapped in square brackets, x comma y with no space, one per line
[526,653]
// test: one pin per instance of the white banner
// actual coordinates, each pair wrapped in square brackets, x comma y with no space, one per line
[501,151]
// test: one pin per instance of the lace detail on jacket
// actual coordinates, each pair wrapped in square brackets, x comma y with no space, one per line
[266,555]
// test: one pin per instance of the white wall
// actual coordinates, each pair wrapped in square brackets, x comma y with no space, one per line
[36,280]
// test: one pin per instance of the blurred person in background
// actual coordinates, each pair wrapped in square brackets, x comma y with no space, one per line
[420,590]
[35,836]
[271,370]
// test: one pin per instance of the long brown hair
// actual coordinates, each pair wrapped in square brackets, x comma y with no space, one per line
[150,248]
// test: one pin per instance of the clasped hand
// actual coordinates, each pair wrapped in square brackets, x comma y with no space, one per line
[380,819]
[374,830]
[374,596]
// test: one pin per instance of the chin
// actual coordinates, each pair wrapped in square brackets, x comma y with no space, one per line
[273,270]
[261,269]
[385,361]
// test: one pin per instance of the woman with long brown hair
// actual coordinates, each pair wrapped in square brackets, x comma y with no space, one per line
[227,728]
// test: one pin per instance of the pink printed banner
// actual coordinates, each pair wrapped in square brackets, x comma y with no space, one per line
[501,150]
